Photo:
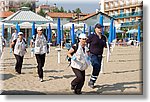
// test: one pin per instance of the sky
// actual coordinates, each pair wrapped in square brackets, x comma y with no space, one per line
[86,6]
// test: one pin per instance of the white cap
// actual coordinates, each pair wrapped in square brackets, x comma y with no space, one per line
[20,33]
[0,34]
[82,35]
[39,28]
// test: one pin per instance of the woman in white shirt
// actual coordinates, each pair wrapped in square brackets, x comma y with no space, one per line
[79,62]
[19,51]
[40,51]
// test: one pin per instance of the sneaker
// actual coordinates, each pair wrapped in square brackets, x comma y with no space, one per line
[41,80]
[73,87]
[78,91]
[91,84]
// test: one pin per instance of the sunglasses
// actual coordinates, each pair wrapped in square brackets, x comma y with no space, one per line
[39,30]
[83,39]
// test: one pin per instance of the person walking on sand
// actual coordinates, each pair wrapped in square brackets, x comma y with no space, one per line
[79,62]
[96,43]
[19,46]
[2,44]
[40,51]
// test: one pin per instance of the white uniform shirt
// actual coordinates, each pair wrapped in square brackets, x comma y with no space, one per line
[40,44]
[81,62]
[20,47]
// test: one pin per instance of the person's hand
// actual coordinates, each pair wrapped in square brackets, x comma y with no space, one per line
[73,57]
[88,58]
[32,49]
[10,50]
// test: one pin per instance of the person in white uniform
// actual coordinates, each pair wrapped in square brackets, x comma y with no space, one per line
[40,51]
[79,63]
[2,44]
[19,51]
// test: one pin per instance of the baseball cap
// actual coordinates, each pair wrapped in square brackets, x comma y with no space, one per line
[20,33]
[82,35]
[39,28]
[0,34]
[98,25]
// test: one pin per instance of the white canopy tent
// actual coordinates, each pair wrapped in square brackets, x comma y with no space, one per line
[53,25]
[69,25]
[6,24]
[27,25]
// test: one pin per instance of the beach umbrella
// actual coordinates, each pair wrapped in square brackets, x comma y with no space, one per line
[89,32]
[101,22]
[114,33]
[72,35]
[138,37]
[62,33]
[3,28]
[33,29]
[110,31]
[49,33]
[18,28]
[58,31]
[84,27]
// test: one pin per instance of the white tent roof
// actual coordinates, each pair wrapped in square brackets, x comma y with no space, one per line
[53,25]
[6,24]
[25,16]
[27,25]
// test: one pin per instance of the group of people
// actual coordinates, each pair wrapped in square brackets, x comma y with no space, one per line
[87,51]
[18,47]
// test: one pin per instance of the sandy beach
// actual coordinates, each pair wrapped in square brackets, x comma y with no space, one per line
[121,75]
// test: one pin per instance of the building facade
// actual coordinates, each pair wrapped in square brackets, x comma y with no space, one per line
[126,12]
[7,5]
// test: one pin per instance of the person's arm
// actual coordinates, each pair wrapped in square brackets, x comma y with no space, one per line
[70,52]
[12,44]
[105,39]
[89,39]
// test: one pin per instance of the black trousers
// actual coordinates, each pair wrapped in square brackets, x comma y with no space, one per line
[19,61]
[41,61]
[80,78]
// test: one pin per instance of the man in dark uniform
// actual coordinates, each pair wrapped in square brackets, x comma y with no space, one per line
[96,42]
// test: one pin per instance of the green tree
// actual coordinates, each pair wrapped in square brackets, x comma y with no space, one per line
[56,10]
[13,9]
[69,11]
[77,10]
[42,13]
[62,9]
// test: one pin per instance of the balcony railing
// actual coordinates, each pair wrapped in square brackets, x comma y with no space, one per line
[125,24]
[126,15]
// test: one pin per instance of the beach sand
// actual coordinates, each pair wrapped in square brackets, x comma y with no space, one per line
[121,75]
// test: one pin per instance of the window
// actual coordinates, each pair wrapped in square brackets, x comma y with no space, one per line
[133,11]
[121,3]
[127,3]
[116,4]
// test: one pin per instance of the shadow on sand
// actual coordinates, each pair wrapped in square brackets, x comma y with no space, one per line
[21,92]
[120,87]
[6,76]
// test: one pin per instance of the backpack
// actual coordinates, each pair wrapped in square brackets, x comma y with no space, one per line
[13,47]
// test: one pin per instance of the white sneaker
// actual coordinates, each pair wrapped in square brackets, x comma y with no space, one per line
[41,80]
